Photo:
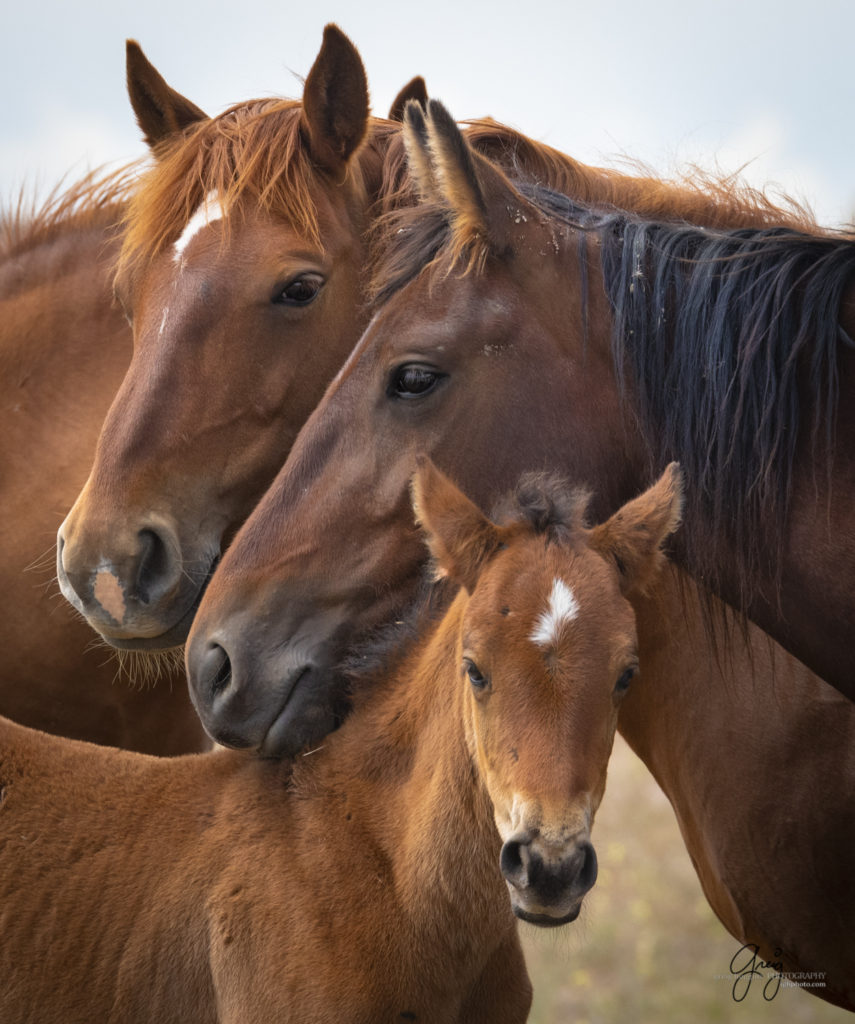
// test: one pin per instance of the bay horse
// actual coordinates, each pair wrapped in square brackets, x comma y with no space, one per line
[64,349]
[378,878]
[244,272]
[484,360]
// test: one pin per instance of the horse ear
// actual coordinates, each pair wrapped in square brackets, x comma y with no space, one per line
[419,158]
[415,90]
[161,112]
[335,102]
[634,535]
[482,204]
[459,536]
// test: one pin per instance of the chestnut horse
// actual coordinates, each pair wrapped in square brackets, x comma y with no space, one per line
[493,371]
[243,272]
[365,882]
[64,348]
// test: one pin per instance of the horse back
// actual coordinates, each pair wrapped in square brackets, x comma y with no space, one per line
[100,909]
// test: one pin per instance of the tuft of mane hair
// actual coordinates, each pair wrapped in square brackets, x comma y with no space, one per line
[547,504]
[97,200]
[256,149]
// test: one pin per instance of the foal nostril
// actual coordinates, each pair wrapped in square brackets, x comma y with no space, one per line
[215,671]
[588,870]
[514,863]
[154,566]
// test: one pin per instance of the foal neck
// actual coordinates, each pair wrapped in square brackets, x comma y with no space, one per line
[406,750]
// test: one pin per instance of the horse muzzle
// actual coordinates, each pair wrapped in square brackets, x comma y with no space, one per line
[276,702]
[142,592]
[548,881]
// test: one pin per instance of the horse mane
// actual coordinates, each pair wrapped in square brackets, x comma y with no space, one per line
[743,326]
[97,200]
[405,240]
[256,150]
[546,505]
[696,196]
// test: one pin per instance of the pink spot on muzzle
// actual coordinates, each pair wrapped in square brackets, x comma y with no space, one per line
[109,594]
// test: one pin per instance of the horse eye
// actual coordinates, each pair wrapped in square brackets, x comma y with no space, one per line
[412,381]
[622,685]
[478,681]
[299,292]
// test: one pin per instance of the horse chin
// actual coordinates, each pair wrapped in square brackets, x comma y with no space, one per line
[312,709]
[174,637]
[543,919]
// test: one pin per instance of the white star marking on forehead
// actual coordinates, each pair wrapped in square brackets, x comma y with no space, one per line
[209,211]
[563,608]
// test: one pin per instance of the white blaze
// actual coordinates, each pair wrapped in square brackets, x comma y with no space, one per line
[210,211]
[563,608]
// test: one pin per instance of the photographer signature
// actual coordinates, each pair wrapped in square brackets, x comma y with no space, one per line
[747,965]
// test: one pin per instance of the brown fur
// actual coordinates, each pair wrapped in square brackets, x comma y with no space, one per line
[161,111]
[414,91]
[300,182]
[64,348]
[362,885]
[252,152]
[520,383]
[295,180]
[697,196]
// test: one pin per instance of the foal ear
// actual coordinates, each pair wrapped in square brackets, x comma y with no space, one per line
[634,535]
[415,90]
[161,112]
[460,537]
[335,102]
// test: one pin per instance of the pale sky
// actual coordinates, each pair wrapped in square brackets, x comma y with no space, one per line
[722,84]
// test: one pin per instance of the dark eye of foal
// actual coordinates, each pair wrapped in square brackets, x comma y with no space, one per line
[622,685]
[299,292]
[479,682]
[413,381]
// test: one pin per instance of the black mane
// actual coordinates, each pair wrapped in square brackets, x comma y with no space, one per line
[729,342]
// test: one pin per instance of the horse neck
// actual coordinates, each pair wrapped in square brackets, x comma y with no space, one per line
[33,251]
[408,746]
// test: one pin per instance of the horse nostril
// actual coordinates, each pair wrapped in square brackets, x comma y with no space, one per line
[588,870]
[215,671]
[513,864]
[154,566]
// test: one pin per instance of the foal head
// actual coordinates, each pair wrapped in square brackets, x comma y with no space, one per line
[547,649]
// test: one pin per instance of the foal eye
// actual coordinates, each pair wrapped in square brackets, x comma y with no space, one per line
[622,685]
[299,292]
[413,381]
[478,681]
